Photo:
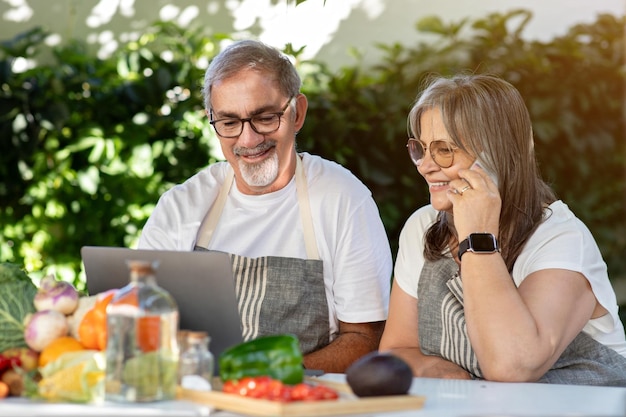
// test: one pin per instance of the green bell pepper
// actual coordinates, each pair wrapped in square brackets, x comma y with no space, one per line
[276,356]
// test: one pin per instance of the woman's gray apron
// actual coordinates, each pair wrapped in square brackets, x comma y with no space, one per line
[443,332]
[275,294]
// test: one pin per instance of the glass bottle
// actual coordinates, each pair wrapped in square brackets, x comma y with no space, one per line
[142,349]
[195,369]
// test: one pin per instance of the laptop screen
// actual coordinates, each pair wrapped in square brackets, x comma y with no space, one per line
[201,283]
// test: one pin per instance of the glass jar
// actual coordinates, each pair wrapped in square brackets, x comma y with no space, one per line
[142,349]
[195,368]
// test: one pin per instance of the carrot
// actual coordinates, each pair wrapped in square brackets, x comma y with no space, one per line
[4,389]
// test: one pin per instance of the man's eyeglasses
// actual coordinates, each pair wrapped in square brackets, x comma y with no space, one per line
[263,124]
[441,151]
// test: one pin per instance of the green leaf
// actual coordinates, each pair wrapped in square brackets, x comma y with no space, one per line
[17,292]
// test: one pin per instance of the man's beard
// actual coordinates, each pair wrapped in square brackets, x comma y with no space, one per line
[260,174]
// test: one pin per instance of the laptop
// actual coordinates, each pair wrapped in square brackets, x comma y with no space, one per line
[202,284]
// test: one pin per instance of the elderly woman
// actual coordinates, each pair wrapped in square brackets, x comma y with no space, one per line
[496,278]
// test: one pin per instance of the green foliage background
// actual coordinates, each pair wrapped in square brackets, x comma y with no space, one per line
[88,145]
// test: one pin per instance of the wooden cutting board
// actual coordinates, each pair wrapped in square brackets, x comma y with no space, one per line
[347,403]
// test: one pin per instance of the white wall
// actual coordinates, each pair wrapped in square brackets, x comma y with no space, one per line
[328,30]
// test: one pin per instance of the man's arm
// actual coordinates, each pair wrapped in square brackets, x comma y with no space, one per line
[354,340]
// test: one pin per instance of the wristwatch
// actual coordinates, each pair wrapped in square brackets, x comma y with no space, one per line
[479,243]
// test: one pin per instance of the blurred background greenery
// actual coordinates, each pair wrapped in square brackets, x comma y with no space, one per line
[88,144]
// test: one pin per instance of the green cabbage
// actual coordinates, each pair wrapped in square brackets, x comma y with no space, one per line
[17,292]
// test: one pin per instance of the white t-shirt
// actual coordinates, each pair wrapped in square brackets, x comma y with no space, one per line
[350,236]
[560,242]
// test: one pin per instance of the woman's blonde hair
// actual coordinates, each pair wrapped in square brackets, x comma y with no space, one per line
[485,115]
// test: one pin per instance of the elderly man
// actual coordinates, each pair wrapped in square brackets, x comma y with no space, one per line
[309,250]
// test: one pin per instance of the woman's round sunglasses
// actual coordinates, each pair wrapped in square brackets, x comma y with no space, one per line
[441,151]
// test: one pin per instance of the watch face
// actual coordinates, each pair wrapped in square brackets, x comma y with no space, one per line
[483,242]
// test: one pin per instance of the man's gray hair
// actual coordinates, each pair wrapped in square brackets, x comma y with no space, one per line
[254,55]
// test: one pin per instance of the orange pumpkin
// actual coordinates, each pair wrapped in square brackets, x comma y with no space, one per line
[92,330]
[148,328]
[149,333]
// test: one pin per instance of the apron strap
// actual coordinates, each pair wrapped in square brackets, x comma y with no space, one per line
[305,211]
[212,217]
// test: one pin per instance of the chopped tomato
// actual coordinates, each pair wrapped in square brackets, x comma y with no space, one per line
[229,387]
[264,387]
[277,391]
[320,392]
[301,391]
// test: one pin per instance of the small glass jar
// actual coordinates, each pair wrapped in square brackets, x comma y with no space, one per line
[196,363]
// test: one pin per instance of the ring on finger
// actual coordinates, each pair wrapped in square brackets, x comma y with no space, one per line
[462,190]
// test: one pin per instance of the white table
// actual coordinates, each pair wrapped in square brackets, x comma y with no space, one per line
[443,398]
[480,398]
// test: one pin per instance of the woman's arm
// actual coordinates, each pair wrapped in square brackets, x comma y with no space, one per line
[519,333]
[401,337]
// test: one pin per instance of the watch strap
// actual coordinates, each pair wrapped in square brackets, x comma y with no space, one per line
[463,247]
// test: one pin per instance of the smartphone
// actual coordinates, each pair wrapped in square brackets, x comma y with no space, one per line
[480,162]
